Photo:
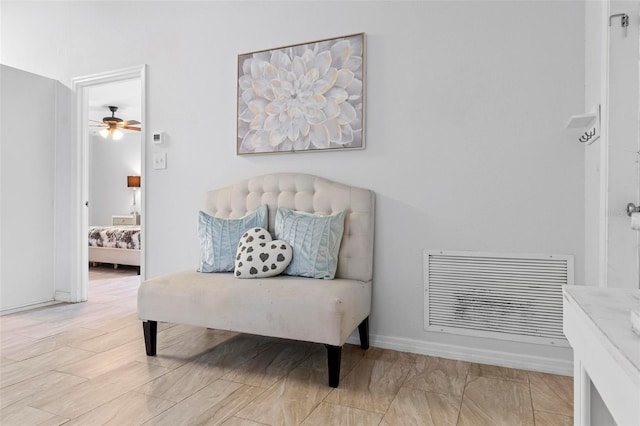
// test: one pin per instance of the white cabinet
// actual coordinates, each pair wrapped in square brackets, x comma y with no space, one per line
[597,323]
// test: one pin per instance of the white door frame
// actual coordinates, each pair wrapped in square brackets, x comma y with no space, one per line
[618,243]
[604,146]
[80,241]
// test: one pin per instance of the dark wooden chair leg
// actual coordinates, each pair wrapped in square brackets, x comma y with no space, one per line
[334,353]
[363,329]
[150,329]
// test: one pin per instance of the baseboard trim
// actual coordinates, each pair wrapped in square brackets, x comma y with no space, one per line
[470,354]
[62,296]
[7,311]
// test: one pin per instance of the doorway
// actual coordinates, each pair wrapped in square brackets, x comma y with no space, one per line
[620,155]
[110,173]
[115,151]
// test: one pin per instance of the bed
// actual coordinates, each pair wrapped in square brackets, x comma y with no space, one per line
[119,245]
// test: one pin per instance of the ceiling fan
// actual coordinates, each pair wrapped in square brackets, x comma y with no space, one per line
[112,125]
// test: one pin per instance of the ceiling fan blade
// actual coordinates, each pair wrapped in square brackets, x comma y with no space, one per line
[137,129]
[98,125]
[96,121]
[129,122]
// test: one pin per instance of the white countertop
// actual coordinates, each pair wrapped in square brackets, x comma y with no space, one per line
[609,310]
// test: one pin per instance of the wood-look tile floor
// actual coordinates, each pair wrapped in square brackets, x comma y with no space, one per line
[85,364]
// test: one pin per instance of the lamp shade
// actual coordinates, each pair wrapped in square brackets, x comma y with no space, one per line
[133,181]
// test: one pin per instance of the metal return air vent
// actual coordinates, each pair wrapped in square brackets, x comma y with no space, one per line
[500,296]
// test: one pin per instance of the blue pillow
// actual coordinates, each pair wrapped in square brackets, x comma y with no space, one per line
[219,238]
[315,241]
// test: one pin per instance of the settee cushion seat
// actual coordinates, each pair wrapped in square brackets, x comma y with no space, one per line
[321,311]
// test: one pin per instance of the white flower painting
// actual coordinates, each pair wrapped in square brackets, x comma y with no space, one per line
[302,98]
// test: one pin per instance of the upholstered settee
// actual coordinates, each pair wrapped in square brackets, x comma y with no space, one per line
[291,307]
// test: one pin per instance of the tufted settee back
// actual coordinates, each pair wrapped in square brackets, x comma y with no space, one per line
[310,194]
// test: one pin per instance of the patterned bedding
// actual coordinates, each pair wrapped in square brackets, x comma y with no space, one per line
[124,237]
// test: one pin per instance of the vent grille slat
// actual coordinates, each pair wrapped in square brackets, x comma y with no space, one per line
[511,297]
[533,276]
[487,285]
[506,332]
[500,316]
[497,323]
[506,294]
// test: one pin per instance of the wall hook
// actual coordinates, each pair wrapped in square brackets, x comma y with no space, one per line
[586,137]
[590,122]
[624,21]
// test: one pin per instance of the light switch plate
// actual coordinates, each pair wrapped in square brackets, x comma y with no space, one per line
[159,160]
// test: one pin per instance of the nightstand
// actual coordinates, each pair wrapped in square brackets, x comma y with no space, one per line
[125,220]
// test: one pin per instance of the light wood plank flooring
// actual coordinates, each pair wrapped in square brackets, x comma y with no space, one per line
[85,364]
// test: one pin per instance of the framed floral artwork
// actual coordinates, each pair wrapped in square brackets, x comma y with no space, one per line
[303,97]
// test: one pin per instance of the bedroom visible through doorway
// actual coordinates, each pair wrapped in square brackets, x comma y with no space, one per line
[115,160]
[111,134]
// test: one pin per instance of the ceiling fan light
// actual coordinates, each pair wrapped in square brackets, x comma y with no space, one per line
[104,133]
[117,135]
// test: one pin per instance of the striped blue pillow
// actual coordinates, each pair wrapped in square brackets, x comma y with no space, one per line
[219,238]
[315,241]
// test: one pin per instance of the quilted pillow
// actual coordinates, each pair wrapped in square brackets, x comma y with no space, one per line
[258,256]
[315,241]
[219,238]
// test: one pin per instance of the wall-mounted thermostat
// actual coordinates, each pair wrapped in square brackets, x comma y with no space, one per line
[158,138]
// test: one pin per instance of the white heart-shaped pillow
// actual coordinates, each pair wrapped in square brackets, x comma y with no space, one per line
[258,256]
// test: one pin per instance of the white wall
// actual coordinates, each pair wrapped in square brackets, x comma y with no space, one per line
[110,164]
[28,105]
[466,103]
